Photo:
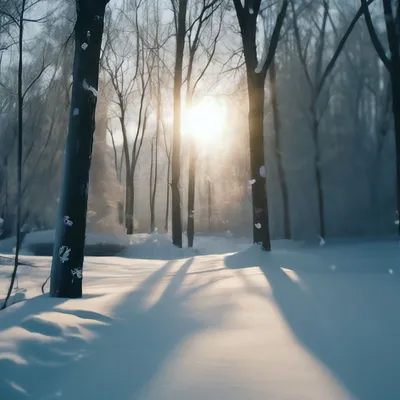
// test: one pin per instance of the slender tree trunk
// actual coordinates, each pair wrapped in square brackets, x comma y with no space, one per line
[318,174]
[68,255]
[278,151]
[209,201]
[257,162]
[191,192]
[167,197]
[19,153]
[153,184]
[176,145]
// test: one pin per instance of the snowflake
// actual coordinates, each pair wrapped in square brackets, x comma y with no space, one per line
[76,273]
[252,181]
[84,46]
[64,253]
[258,225]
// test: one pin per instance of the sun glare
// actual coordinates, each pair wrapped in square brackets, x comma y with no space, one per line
[205,121]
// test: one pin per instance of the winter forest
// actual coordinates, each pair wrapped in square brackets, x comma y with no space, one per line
[329,143]
[228,135]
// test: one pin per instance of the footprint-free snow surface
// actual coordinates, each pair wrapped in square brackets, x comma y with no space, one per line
[299,323]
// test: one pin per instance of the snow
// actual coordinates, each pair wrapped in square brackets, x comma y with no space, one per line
[89,88]
[223,321]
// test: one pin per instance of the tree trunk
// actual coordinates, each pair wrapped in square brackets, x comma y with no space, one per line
[318,175]
[395,79]
[191,193]
[151,186]
[168,191]
[278,151]
[19,237]
[209,201]
[129,204]
[68,253]
[176,145]
[257,163]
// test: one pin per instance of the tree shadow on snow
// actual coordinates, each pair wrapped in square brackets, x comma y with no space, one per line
[347,316]
[121,359]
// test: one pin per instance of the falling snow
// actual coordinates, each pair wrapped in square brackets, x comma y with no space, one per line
[262,171]
[252,181]
[257,225]
[84,46]
[75,112]
[321,241]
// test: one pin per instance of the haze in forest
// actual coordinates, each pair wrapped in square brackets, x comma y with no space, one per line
[347,134]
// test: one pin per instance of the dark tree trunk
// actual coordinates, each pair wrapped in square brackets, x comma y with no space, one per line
[168,192]
[176,145]
[209,201]
[257,163]
[278,151]
[68,254]
[129,206]
[395,77]
[153,179]
[318,173]
[151,186]
[191,193]
[247,14]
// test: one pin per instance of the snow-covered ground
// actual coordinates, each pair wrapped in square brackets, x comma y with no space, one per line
[225,321]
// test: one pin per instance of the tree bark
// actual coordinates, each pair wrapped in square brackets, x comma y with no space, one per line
[278,151]
[166,222]
[257,162]
[395,78]
[68,253]
[318,173]
[176,145]
[191,193]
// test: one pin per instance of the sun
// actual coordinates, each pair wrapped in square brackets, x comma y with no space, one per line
[205,121]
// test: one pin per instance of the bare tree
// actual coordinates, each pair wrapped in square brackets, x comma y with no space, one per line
[130,72]
[67,264]
[316,77]
[278,150]
[203,19]
[391,60]
[180,10]
[256,71]
[20,20]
